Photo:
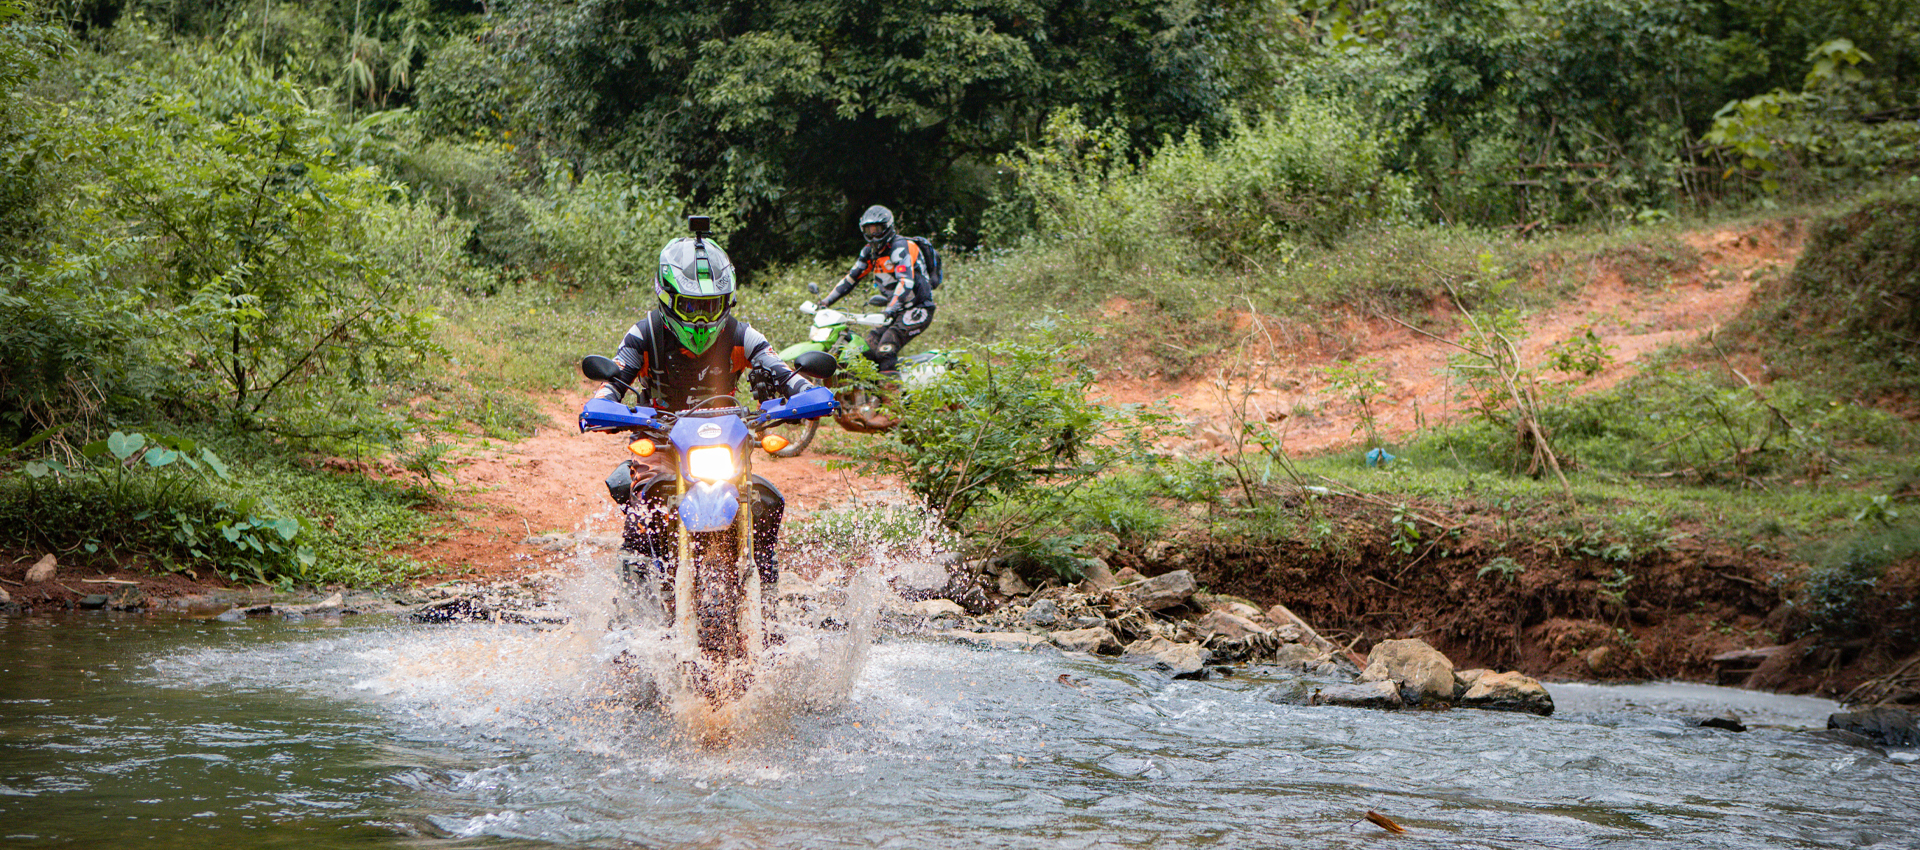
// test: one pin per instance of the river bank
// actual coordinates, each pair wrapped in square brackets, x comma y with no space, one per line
[1493,581]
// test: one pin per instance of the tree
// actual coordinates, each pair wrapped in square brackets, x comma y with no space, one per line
[793,115]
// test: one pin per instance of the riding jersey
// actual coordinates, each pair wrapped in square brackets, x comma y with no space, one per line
[673,378]
[912,287]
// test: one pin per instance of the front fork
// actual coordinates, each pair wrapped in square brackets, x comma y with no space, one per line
[752,618]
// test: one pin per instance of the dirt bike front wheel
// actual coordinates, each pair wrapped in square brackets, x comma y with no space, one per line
[719,598]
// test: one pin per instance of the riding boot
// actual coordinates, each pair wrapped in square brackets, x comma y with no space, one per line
[647,535]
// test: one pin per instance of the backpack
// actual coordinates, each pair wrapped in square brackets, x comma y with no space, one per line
[932,258]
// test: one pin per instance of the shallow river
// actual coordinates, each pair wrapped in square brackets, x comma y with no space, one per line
[116,731]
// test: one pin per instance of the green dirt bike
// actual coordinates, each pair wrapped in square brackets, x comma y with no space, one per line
[835,337]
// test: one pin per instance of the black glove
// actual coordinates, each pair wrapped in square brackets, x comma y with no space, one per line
[763,385]
[892,311]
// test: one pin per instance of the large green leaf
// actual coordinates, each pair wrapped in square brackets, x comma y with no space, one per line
[124,445]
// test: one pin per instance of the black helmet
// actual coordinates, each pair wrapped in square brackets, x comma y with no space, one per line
[876,224]
[695,288]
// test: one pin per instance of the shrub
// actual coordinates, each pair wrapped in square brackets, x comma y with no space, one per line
[1011,428]
[159,496]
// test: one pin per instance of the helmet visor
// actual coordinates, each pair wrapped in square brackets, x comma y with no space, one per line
[698,309]
[874,230]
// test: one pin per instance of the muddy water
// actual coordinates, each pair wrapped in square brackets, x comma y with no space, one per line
[188,733]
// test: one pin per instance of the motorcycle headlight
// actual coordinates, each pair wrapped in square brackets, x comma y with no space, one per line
[710,463]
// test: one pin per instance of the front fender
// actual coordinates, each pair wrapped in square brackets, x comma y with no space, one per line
[709,507]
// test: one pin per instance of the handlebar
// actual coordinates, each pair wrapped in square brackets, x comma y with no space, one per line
[829,316]
[604,414]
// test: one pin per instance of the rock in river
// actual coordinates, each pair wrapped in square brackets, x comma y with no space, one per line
[1380,694]
[1508,692]
[1183,660]
[1420,670]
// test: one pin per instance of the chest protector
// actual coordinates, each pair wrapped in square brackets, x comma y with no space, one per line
[678,379]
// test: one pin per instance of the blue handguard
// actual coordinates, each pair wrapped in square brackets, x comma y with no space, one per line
[806,404]
[605,414]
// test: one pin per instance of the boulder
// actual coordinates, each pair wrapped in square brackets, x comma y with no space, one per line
[1381,694]
[1011,584]
[1163,591]
[1507,692]
[42,570]
[1728,720]
[1096,576]
[1222,623]
[1127,575]
[1246,611]
[1293,656]
[933,608]
[1045,612]
[1419,669]
[1183,660]
[1097,640]
[331,604]
[1300,632]
[1893,727]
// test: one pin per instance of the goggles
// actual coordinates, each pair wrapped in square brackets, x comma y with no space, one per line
[873,230]
[698,309]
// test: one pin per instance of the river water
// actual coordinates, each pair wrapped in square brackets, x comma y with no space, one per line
[179,732]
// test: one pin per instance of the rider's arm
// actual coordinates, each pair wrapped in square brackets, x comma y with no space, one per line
[840,291]
[849,280]
[632,359]
[760,353]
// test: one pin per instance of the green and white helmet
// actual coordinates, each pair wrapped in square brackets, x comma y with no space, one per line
[695,288]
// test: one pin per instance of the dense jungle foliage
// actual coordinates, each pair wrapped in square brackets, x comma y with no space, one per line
[252,222]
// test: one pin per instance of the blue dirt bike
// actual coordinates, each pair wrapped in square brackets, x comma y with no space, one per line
[707,554]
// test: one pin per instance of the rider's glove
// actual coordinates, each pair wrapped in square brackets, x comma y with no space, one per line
[892,311]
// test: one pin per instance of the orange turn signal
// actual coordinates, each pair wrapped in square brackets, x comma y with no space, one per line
[642,447]
[773,442]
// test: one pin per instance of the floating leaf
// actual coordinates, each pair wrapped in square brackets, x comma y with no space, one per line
[1385,822]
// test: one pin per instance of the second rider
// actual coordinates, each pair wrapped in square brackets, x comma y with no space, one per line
[899,272]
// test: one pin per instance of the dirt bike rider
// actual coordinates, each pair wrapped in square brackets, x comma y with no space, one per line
[690,348]
[900,273]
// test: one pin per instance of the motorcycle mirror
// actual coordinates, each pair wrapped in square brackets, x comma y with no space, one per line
[813,286]
[877,301]
[599,368]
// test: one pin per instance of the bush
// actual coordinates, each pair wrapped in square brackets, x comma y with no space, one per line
[163,497]
[1011,428]
[1312,173]
[601,231]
